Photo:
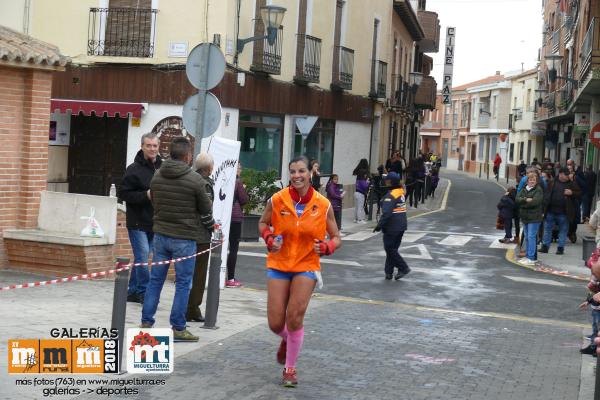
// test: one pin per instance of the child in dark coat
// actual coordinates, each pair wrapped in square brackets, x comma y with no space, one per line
[506,211]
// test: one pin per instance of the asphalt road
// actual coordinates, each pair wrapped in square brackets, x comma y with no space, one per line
[461,273]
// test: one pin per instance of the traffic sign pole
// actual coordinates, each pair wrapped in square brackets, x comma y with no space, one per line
[204,63]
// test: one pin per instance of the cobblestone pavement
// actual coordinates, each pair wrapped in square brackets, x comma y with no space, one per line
[357,350]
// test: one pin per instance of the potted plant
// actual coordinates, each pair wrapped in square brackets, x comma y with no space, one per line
[260,187]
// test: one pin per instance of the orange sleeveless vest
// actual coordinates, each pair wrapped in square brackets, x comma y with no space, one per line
[297,254]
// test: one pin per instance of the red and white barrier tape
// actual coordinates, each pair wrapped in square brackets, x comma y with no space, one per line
[102,273]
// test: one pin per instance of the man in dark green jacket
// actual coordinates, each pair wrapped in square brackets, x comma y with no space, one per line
[179,199]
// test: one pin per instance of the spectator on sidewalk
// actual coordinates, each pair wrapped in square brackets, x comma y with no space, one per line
[315,175]
[559,203]
[530,203]
[435,180]
[204,165]
[300,218]
[393,223]
[521,170]
[595,223]
[506,210]
[240,197]
[587,197]
[395,163]
[593,300]
[362,186]
[135,192]
[335,195]
[179,199]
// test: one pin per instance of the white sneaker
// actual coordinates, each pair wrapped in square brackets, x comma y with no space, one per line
[527,262]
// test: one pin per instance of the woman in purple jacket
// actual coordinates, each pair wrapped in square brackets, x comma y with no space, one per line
[362,187]
[240,197]
[335,194]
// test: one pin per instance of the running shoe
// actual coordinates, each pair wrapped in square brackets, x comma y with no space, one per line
[290,378]
[232,283]
[281,352]
[526,261]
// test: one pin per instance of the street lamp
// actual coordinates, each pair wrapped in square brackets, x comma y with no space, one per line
[551,61]
[272,17]
[541,92]
[416,78]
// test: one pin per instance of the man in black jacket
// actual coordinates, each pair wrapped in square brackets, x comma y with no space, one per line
[560,208]
[134,191]
[180,201]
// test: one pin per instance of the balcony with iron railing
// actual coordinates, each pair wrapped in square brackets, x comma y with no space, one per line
[308,59]
[266,58]
[343,66]
[397,93]
[556,41]
[590,51]
[430,23]
[378,79]
[121,32]
[568,27]
[426,93]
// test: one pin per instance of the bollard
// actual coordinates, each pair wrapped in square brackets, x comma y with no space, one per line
[213,289]
[120,306]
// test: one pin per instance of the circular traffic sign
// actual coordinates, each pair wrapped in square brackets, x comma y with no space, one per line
[205,66]
[212,114]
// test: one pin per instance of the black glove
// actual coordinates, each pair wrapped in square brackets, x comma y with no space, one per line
[377,228]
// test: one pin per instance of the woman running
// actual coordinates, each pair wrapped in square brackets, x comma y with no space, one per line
[300,217]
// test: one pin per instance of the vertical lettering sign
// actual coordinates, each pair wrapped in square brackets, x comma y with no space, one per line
[448,65]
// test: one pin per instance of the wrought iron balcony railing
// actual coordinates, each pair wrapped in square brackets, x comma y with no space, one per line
[343,66]
[590,50]
[378,79]
[397,93]
[556,40]
[308,59]
[121,32]
[266,57]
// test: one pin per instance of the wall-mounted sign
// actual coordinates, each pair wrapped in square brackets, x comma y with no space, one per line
[448,65]
[582,123]
[538,129]
[178,49]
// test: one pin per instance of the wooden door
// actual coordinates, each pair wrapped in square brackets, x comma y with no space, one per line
[97,154]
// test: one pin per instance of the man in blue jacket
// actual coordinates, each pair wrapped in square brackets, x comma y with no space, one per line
[393,223]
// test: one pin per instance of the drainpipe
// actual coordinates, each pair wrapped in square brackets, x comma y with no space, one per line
[26,10]
[372,127]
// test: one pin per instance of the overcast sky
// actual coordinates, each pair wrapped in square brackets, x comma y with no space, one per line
[491,35]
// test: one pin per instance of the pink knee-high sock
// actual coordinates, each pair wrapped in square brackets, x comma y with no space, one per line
[294,344]
[284,333]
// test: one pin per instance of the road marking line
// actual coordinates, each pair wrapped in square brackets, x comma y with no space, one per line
[324,261]
[509,317]
[359,236]
[410,237]
[534,280]
[423,252]
[455,240]
[444,202]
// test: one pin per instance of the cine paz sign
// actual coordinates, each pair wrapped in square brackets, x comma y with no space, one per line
[448,65]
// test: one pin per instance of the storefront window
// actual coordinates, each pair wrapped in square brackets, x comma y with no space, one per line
[261,141]
[317,145]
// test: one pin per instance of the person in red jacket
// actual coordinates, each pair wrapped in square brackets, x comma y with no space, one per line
[497,162]
[294,226]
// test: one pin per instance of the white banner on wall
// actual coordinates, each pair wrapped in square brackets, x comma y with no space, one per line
[225,153]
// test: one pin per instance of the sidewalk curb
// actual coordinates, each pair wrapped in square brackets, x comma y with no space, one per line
[510,257]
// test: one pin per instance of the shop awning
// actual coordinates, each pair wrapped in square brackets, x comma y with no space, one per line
[99,108]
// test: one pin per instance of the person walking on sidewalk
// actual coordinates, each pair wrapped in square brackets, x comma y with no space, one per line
[240,197]
[393,223]
[497,162]
[559,202]
[300,218]
[530,202]
[135,192]
[204,165]
[179,200]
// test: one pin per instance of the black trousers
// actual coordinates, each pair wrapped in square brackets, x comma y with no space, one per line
[338,218]
[235,232]
[393,259]
[198,282]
